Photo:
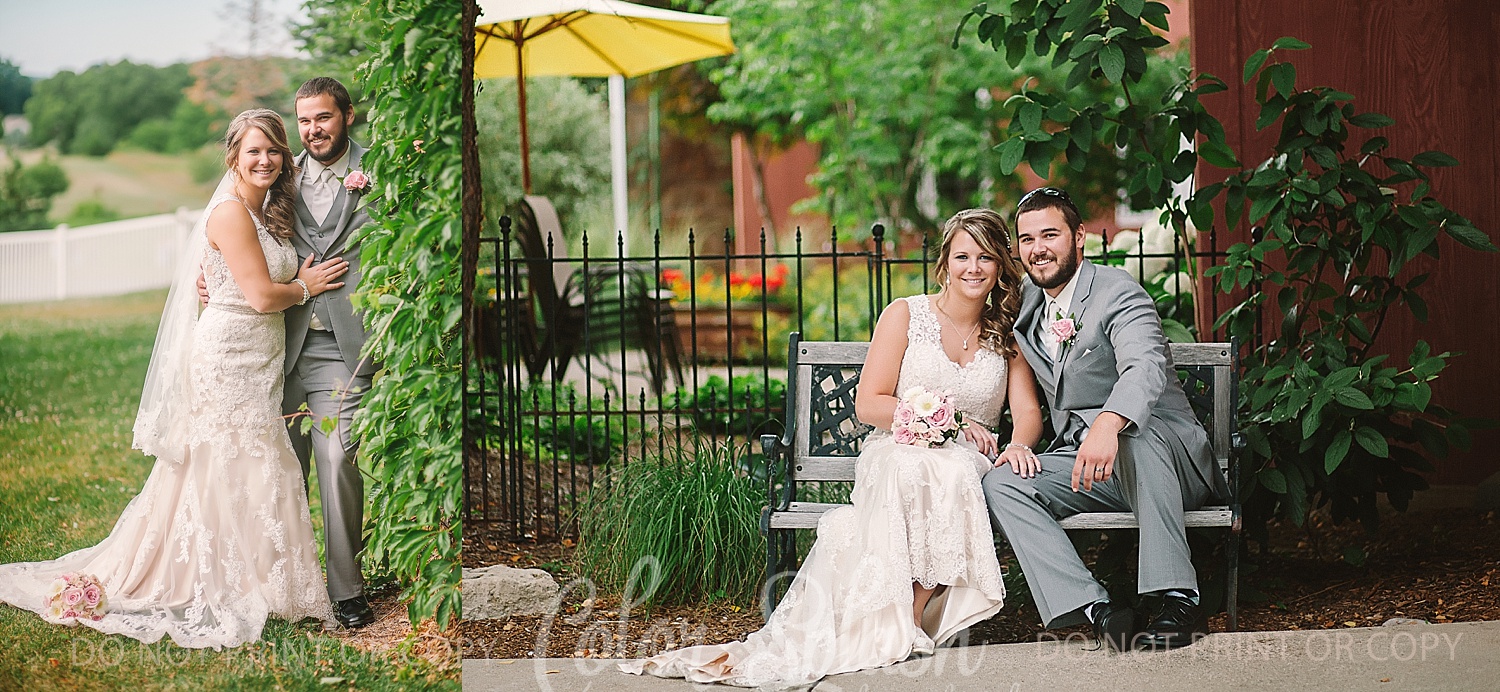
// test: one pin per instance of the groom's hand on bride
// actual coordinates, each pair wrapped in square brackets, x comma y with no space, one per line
[202,289]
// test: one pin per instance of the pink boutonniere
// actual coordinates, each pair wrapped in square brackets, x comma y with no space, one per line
[357,181]
[1064,330]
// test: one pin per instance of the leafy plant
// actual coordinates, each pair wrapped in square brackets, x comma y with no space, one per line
[569,131]
[409,292]
[749,405]
[1320,408]
[684,525]
[26,192]
[903,125]
[569,427]
[1325,407]
[91,211]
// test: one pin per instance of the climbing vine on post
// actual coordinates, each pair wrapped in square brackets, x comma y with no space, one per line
[409,423]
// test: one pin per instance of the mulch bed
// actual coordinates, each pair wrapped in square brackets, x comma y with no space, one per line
[1436,565]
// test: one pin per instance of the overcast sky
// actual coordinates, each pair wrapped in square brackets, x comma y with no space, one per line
[47,36]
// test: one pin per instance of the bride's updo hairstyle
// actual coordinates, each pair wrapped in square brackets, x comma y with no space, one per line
[988,229]
[280,210]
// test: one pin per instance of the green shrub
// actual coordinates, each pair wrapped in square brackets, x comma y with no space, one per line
[686,523]
[570,427]
[757,405]
[92,211]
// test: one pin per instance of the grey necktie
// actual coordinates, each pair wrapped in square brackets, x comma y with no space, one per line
[319,195]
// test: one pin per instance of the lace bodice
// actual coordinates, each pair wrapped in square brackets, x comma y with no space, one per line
[977,388]
[223,291]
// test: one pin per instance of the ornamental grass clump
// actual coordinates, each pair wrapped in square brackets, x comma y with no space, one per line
[685,522]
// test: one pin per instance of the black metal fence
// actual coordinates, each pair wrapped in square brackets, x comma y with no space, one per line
[578,366]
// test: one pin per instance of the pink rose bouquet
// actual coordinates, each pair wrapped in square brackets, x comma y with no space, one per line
[926,419]
[75,595]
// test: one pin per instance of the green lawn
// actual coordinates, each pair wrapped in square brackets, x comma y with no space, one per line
[70,381]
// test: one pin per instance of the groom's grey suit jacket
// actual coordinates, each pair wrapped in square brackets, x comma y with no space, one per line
[333,237]
[1118,362]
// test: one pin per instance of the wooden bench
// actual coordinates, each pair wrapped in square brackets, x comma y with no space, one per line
[823,436]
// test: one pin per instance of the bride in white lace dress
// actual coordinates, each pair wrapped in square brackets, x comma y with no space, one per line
[219,537]
[912,563]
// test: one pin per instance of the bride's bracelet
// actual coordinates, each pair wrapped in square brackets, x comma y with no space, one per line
[1022,446]
[306,294]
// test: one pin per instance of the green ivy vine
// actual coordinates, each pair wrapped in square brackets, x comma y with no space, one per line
[409,423]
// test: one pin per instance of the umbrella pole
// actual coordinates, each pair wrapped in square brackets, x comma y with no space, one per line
[521,95]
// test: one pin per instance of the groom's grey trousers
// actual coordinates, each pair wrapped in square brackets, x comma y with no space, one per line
[323,380]
[1146,480]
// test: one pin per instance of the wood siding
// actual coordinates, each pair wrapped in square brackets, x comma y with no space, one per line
[1433,66]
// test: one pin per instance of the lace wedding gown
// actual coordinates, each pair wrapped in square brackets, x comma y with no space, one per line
[215,543]
[918,515]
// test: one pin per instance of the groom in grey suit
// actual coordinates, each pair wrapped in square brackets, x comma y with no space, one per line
[1126,439]
[324,336]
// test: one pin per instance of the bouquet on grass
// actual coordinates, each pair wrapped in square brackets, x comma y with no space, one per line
[926,419]
[75,595]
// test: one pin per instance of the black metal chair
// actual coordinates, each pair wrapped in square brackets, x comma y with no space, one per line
[581,310]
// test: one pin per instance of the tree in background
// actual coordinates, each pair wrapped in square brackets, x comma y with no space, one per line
[15,88]
[569,148]
[90,112]
[26,193]
[905,123]
[329,37]
[227,85]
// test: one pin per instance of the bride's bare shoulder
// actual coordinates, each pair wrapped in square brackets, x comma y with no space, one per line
[898,309]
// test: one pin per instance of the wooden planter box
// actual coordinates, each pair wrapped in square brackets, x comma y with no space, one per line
[707,337]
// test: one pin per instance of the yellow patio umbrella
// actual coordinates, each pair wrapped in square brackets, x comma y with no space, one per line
[590,38]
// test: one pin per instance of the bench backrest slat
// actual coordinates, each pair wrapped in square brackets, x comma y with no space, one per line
[827,435]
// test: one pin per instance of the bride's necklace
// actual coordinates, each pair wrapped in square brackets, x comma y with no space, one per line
[970,333]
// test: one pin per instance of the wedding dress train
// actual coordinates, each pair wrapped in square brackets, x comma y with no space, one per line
[220,536]
[918,515]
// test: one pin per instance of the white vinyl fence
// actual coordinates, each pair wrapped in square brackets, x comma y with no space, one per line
[104,259]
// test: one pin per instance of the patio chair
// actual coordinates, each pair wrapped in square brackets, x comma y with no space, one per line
[582,314]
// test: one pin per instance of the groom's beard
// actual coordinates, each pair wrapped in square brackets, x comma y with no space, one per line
[1066,266]
[333,152]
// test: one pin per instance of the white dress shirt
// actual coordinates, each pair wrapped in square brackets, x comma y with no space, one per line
[1054,307]
[320,184]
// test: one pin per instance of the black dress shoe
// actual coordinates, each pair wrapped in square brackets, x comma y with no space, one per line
[354,612]
[1115,626]
[1178,622]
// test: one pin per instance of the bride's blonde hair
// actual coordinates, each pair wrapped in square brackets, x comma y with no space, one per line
[998,320]
[280,202]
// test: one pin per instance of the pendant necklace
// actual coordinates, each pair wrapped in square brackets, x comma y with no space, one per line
[970,333]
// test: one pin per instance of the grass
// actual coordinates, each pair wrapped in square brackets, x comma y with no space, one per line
[694,511]
[70,381]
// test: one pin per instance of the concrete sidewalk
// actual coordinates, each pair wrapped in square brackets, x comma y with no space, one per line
[1459,656]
